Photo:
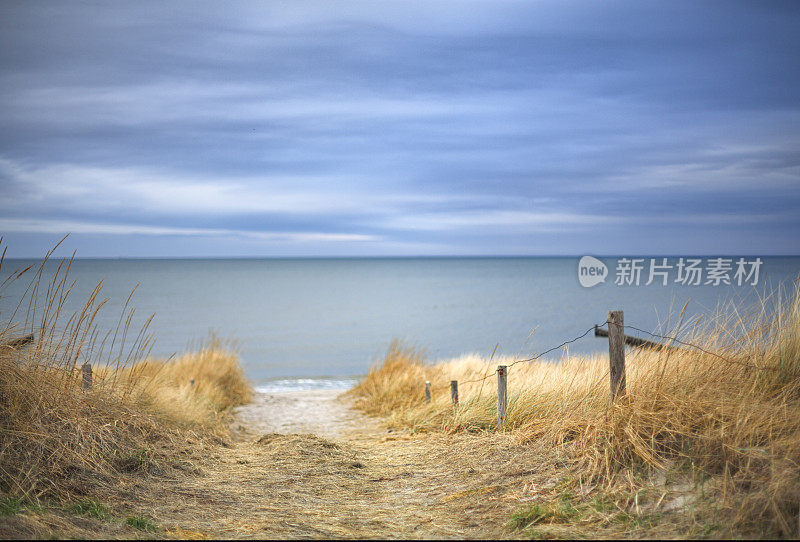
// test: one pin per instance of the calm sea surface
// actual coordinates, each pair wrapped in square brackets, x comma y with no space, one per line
[320,322]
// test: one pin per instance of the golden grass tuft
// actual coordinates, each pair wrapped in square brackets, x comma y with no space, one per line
[196,388]
[60,441]
[728,412]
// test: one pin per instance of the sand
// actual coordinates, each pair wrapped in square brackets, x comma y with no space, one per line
[318,412]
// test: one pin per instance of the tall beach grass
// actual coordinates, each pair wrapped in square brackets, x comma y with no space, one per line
[59,440]
[728,410]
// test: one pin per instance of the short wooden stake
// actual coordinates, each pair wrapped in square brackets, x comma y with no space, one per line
[502,378]
[19,342]
[454,391]
[427,391]
[86,373]
[616,353]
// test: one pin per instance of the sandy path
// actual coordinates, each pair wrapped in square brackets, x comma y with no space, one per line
[318,412]
[308,466]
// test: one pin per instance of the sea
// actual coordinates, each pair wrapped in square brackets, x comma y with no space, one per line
[322,323]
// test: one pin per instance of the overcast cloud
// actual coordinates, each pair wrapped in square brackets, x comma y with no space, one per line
[400,128]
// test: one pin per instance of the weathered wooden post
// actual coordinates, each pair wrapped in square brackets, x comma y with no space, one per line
[616,353]
[18,343]
[86,373]
[427,391]
[502,377]
[454,392]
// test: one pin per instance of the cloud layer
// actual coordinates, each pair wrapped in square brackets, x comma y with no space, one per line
[393,128]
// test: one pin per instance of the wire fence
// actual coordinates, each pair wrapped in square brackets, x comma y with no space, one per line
[541,354]
[699,348]
[669,338]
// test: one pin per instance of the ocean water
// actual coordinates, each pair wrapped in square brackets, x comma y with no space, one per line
[317,323]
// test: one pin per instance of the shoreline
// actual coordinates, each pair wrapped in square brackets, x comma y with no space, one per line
[323,412]
[306,383]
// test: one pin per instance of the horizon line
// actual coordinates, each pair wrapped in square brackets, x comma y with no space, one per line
[411,257]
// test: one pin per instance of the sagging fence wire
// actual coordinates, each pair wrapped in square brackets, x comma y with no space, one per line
[539,355]
[696,347]
[673,339]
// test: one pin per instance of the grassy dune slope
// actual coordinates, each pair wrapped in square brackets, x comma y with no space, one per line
[68,449]
[725,421]
[61,445]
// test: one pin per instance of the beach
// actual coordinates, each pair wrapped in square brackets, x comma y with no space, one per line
[323,413]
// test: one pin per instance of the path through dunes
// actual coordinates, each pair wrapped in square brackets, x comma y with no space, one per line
[354,480]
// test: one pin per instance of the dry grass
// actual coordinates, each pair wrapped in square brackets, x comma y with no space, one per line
[727,418]
[58,441]
[196,389]
[287,486]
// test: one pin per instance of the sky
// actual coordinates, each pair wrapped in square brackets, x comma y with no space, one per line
[228,129]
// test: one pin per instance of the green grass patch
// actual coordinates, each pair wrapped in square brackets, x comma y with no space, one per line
[141,523]
[602,504]
[552,512]
[89,508]
[10,506]
[567,508]
[633,522]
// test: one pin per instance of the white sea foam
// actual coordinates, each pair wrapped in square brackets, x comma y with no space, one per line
[302,384]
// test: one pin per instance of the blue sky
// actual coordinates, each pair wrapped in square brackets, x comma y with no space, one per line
[400,128]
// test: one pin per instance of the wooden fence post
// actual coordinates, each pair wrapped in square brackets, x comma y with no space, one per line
[616,353]
[86,373]
[502,376]
[17,343]
[454,392]
[427,391]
